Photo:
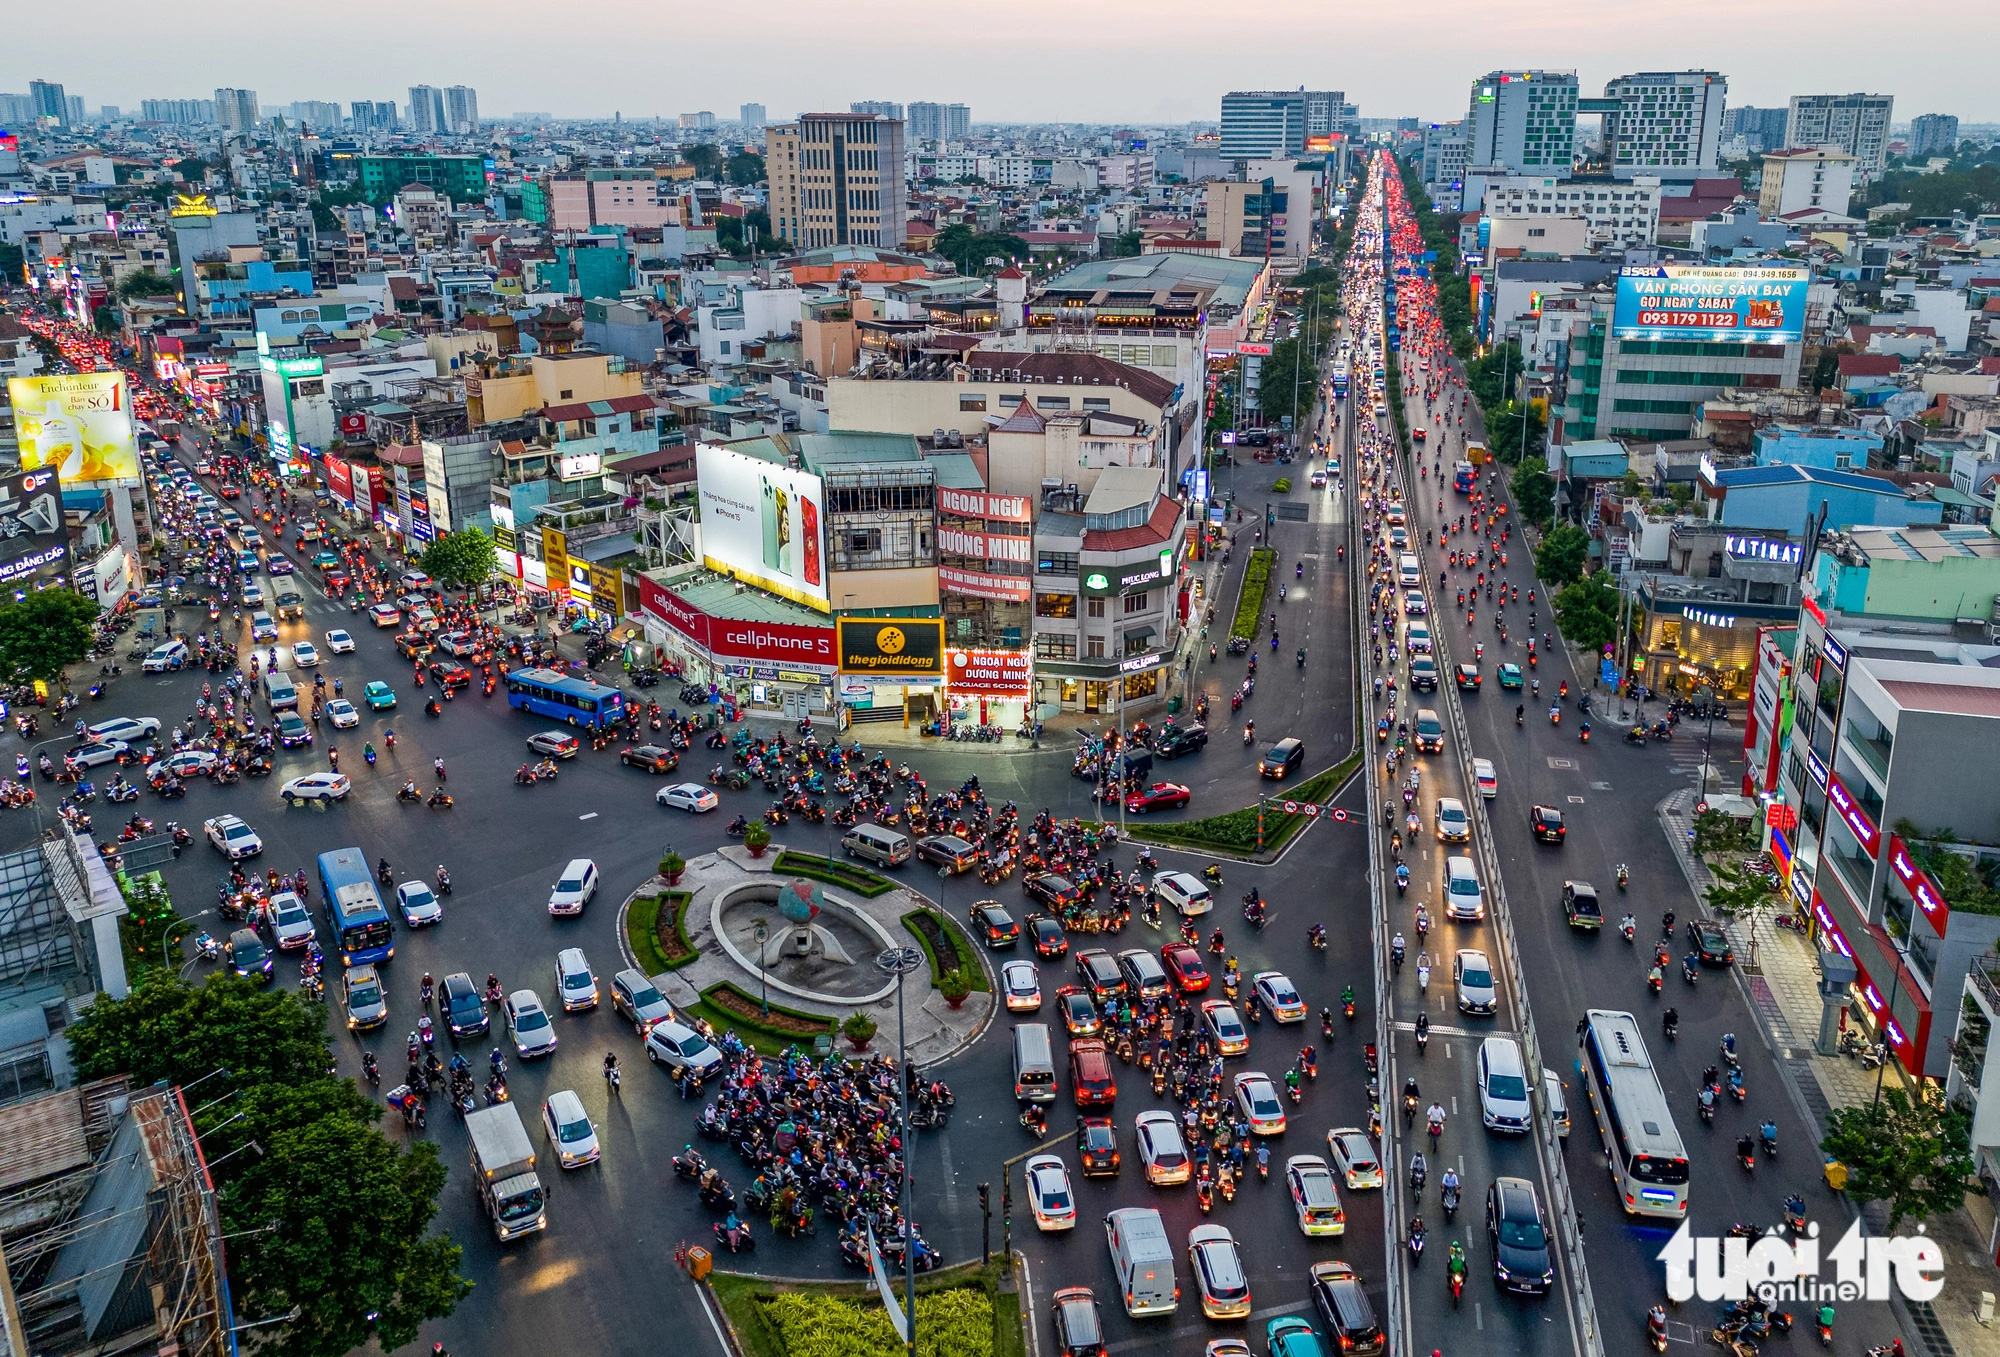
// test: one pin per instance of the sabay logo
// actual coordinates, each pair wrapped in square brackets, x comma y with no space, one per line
[1788,1271]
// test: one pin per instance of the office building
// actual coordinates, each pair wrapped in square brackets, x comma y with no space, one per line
[1277,122]
[752,117]
[317,114]
[632,196]
[461,110]
[957,121]
[1444,165]
[236,110]
[1667,126]
[49,101]
[1933,134]
[1806,179]
[16,110]
[1856,123]
[837,179]
[74,103]
[426,110]
[179,112]
[1523,122]
[1762,129]
[461,178]
[374,115]
[1612,212]
[703,121]
[877,108]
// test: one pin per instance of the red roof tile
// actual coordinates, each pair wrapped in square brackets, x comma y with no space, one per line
[1869,365]
[1074,369]
[1159,528]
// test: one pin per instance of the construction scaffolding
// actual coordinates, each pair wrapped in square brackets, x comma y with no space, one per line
[122,1252]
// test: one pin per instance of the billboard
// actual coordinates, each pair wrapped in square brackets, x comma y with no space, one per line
[32,535]
[762,523]
[990,673]
[80,424]
[893,647]
[725,639]
[1688,301]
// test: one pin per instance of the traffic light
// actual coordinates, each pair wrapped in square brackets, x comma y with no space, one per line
[982,1196]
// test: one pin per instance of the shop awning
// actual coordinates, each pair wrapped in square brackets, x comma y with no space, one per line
[1142,634]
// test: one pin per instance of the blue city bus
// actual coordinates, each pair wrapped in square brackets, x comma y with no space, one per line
[1340,382]
[579,702]
[1463,477]
[360,924]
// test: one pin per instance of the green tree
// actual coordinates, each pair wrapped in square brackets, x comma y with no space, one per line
[731,233]
[706,159]
[1504,429]
[461,560]
[1534,491]
[105,319]
[1126,245]
[1736,891]
[970,250]
[11,260]
[342,1216]
[744,169]
[146,283]
[192,169]
[1559,557]
[1917,1157]
[165,1030]
[44,632]
[1587,612]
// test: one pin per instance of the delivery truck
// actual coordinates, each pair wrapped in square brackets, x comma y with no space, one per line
[503,1170]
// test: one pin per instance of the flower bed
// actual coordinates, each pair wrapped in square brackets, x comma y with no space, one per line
[656,929]
[833,872]
[945,948]
[747,1010]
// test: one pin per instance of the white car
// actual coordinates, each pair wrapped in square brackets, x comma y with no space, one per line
[317,787]
[1453,824]
[691,797]
[234,838]
[1161,1149]
[1022,986]
[1355,1157]
[339,642]
[291,922]
[574,888]
[1484,776]
[1049,1194]
[576,984]
[415,579]
[1259,1099]
[253,594]
[1413,604]
[528,1023]
[419,904]
[96,752]
[192,762]
[679,1048]
[570,1129]
[1184,892]
[262,628]
[1226,1026]
[1218,1272]
[305,654]
[1315,1199]
[1472,973]
[385,614]
[130,729]
[1279,996]
[341,712]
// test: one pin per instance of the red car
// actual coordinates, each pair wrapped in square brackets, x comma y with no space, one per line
[1159,796]
[228,491]
[1184,968]
[337,578]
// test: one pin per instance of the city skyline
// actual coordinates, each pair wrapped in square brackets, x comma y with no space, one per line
[1388,66]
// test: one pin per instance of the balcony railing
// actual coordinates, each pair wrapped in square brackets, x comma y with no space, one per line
[1985,976]
[1874,753]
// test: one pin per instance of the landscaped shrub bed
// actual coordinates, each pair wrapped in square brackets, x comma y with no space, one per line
[1256,580]
[747,1010]
[955,1323]
[833,872]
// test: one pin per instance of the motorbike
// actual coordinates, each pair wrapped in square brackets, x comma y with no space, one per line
[735,1238]
[439,800]
[689,1164]
[1450,1203]
[1656,1328]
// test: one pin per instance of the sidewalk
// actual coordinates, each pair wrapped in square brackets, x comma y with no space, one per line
[1780,969]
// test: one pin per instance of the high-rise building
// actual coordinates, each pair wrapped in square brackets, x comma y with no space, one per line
[925,123]
[49,100]
[1856,123]
[317,114]
[1444,164]
[427,116]
[1277,122]
[876,108]
[703,121]
[1762,129]
[837,179]
[1933,134]
[74,104]
[109,113]
[373,115]
[957,121]
[236,110]
[1806,179]
[461,110]
[179,112]
[16,110]
[752,117]
[1668,124]
[1522,121]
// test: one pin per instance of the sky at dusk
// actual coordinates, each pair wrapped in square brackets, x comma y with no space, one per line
[1137,61]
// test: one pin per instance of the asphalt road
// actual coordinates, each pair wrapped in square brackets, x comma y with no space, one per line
[1608,792]
[613,1226]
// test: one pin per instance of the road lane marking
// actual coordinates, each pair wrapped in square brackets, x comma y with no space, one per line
[591,816]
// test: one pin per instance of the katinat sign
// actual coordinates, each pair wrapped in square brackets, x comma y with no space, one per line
[796,647]
[979,504]
[990,673]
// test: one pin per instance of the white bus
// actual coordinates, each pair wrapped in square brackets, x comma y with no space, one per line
[1648,1162]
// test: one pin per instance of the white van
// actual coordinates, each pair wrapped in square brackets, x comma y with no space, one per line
[1503,1087]
[279,689]
[1408,573]
[1552,1085]
[1034,1064]
[884,847]
[1142,1260]
[1462,896]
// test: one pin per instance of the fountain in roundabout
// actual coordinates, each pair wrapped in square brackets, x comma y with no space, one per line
[795,937]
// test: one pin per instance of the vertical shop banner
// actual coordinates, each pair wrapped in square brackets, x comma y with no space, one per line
[555,556]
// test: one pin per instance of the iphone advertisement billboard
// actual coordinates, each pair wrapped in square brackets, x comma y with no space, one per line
[763,523]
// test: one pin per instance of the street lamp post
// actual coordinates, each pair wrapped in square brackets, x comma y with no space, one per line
[763,983]
[899,962]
